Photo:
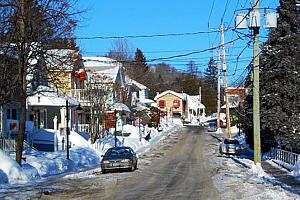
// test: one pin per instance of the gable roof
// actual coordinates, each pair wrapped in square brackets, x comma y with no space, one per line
[193,102]
[137,84]
[181,96]
[47,96]
[104,66]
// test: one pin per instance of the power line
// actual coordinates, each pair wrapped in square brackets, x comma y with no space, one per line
[150,52]
[191,53]
[146,36]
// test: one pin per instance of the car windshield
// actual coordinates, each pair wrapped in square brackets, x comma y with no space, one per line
[117,151]
[228,141]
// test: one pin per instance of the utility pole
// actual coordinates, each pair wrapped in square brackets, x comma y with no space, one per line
[225,81]
[67,129]
[219,89]
[199,101]
[256,116]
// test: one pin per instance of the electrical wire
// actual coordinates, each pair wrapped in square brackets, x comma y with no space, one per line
[147,36]
[191,53]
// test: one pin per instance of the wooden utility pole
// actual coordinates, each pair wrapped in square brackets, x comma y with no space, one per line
[225,81]
[256,116]
[67,129]
[219,89]
[199,101]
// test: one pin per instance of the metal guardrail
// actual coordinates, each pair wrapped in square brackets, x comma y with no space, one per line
[8,144]
[285,156]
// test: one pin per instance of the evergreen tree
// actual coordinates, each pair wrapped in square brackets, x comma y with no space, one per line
[280,81]
[211,74]
[138,68]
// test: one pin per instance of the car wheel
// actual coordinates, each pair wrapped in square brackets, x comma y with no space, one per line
[103,171]
[135,167]
[132,167]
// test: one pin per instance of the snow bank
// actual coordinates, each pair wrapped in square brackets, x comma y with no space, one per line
[258,171]
[10,171]
[296,170]
[39,165]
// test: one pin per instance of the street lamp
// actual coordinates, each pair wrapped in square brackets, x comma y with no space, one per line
[79,108]
[115,128]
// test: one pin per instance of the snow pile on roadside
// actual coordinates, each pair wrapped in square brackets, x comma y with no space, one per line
[52,163]
[39,164]
[10,171]
[258,171]
[44,164]
[296,170]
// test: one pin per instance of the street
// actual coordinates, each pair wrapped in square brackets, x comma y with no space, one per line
[175,170]
[185,165]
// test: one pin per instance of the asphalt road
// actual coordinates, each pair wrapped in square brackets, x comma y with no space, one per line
[175,169]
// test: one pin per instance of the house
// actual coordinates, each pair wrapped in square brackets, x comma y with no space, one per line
[235,97]
[182,105]
[9,120]
[103,91]
[172,104]
[47,104]
[137,93]
[195,108]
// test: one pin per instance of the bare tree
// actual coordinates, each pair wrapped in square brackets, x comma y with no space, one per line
[121,51]
[29,29]
[98,89]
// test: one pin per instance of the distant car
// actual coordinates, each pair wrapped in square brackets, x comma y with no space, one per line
[230,146]
[119,158]
[212,127]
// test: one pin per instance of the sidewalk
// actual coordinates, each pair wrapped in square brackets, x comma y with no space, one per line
[281,175]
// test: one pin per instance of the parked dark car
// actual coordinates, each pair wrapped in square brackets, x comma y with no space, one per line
[212,127]
[119,158]
[230,146]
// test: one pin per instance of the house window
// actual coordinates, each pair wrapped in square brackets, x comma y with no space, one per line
[162,103]
[11,114]
[176,104]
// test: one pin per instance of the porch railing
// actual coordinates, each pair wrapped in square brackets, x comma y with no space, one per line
[80,95]
[84,127]
[284,156]
[8,144]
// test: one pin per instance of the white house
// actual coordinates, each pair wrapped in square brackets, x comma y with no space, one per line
[137,93]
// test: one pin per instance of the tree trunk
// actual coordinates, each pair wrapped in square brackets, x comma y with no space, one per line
[22,62]
[21,134]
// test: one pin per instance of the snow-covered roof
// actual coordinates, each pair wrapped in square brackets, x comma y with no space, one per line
[193,102]
[137,84]
[181,96]
[61,59]
[46,96]
[147,101]
[104,66]
[96,63]
[121,107]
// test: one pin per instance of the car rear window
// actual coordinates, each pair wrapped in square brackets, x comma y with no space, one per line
[121,151]
[227,141]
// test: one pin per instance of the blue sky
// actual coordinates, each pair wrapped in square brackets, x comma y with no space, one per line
[145,17]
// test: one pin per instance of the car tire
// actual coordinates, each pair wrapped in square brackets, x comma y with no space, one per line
[103,171]
[132,167]
[135,166]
